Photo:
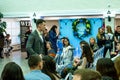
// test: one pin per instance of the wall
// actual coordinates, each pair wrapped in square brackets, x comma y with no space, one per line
[49,24]
[13,28]
[45,7]
[66,30]
[111,23]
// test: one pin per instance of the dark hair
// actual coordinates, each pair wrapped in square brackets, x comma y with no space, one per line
[118,26]
[53,28]
[12,71]
[34,60]
[39,21]
[67,40]
[117,65]
[109,29]
[62,38]
[86,51]
[83,42]
[88,74]
[106,67]
[49,67]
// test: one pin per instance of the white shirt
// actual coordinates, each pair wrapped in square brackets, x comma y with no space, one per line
[40,34]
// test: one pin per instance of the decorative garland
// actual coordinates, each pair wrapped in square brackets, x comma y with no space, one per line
[87,31]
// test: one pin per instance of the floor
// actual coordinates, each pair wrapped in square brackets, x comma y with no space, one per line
[18,57]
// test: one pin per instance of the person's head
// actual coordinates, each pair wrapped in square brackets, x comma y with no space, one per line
[54,28]
[86,74]
[8,36]
[49,66]
[83,42]
[35,62]
[66,41]
[106,68]
[48,44]
[109,29]
[86,51]
[118,29]
[45,31]
[100,30]
[117,65]
[118,46]
[92,40]
[62,39]
[40,24]
[12,71]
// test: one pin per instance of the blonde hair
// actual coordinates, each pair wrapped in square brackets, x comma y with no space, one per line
[93,39]
[109,30]
[99,35]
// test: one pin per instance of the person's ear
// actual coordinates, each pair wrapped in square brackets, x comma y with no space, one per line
[40,65]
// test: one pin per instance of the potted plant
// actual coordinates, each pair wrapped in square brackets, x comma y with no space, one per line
[2,24]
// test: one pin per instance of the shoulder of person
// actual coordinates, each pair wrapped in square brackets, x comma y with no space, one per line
[84,59]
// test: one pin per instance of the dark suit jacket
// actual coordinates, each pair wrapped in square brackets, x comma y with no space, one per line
[35,44]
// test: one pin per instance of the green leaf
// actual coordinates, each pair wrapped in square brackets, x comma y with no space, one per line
[1,15]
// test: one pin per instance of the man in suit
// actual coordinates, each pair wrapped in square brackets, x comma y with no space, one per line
[36,44]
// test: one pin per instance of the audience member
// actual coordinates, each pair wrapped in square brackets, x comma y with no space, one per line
[50,51]
[93,44]
[87,55]
[53,36]
[117,52]
[49,68]
[107,69]
[12,71]
[117,66]
[108,40]
[117,34]
[67,57]
[100,37]
[86,74]
[67,54]
[7,45]
[36,43]
[36,64]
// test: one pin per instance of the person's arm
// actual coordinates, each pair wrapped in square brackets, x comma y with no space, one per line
[30,44]
[84,63]
[52,35]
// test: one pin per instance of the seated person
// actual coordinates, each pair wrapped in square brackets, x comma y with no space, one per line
[86,74]
[50,51]
[117,66]
[12,71]
[66,56]
[107,69]
[49,68]
[36,64]
[85,61]
[117,53]
[93,44]
[87,55]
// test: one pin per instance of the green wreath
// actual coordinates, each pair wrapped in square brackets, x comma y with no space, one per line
[87,25]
